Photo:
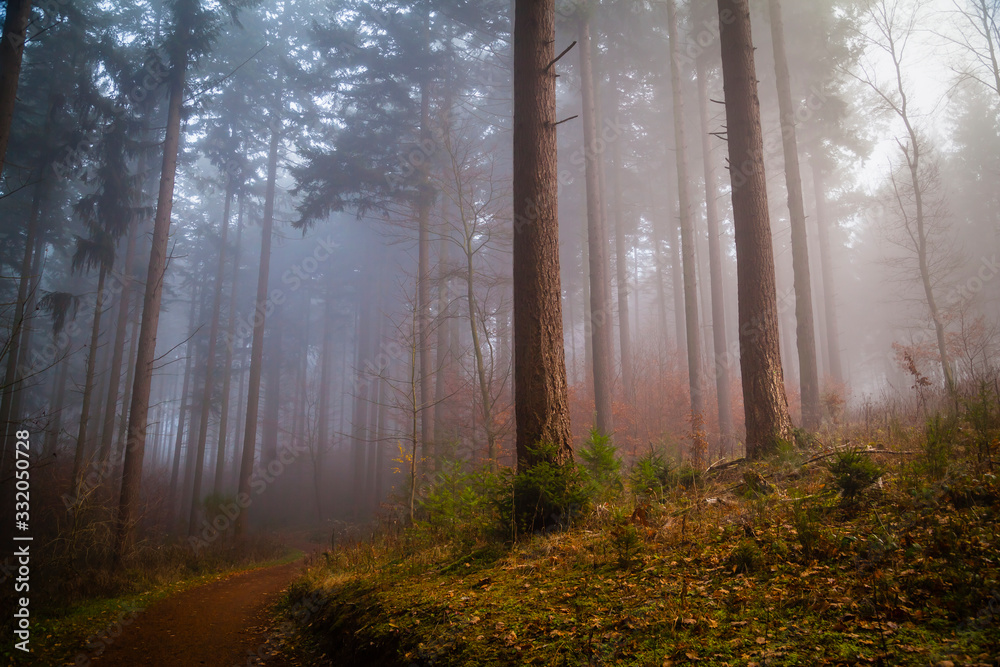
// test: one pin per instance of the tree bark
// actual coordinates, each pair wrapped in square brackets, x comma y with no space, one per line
[15,28]
[175,474]
[118,352]
[805,334]
[227,378]
[721,365]
[260,308]
[206,398]
[600,310]
[541,403]
[621,276]
[764,403]
[690,267]
[138,413]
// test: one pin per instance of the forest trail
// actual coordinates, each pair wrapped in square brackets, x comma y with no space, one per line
[220,624]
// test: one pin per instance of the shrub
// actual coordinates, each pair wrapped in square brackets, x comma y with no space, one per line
[853,472]
[625,540]
[745,557]
[544,496]
[938,438]
[600,461]
[458,501]
[651,475]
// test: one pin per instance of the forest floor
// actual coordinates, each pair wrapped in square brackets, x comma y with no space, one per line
[225,617]
[760,564]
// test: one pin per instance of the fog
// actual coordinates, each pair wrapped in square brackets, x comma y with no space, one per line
[366,149]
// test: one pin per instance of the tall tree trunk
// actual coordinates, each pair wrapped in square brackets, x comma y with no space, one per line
[826,265]
[11,382]
[486,400]
[443,352]
[424,203]
[764,404]
[15,28]
[621,275]
[58,401]
[260,308]
[206,398]
[721,365]
[175,474]
[541,403]
[138,413]
[362,391]
[272,398]
[227,378]
[323,402]
[690,267]
[118,352]
[88,387]
[597,241]
[129,377]
[805,334]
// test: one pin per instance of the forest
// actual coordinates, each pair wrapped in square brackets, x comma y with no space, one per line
[500,332]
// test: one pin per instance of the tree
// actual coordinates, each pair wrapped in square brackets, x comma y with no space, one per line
[541,402]
[689,267]
[194,28]
[15,28]
[213,335]
[805,334]
[597,245]
[892,33]
[719,337]
[764,404]
[260,308]
[97,252]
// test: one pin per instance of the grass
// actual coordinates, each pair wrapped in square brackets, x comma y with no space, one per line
[902,572]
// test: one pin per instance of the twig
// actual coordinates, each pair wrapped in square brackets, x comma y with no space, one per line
[556,59]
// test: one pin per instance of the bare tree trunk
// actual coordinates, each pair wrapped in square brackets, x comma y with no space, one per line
[15,28]
[805,334]
[477,349]
[272,398]
[139,412]
[59,400]
[621,275]
[206,397]
[260,308]
[424,202]
[88,386]
[227,378]
[118,353]
[443,353]
[362,390]
[11,383]
[175,475]
[721,365]
[541,403]
[129,377]
[600,310]
[323,402]
[826,262]
[764,403]
[690,267]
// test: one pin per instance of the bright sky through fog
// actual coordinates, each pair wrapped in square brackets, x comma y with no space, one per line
[931,61]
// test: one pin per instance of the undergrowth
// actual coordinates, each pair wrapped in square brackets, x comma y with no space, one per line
[876,554]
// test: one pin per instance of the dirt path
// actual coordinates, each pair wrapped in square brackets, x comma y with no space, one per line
[219,624]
